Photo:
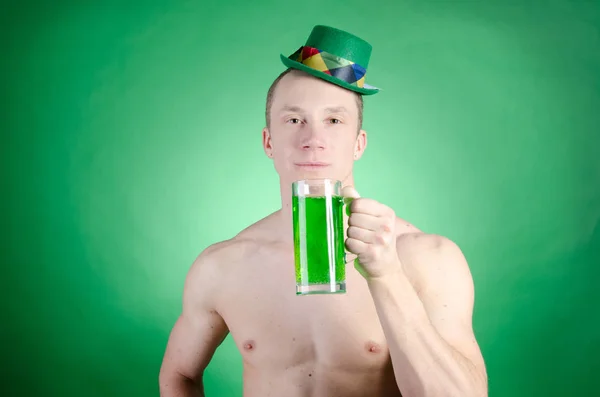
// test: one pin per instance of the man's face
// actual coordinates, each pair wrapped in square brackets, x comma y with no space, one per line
[313,129]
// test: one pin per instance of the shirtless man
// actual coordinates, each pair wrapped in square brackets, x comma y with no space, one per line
[404,326]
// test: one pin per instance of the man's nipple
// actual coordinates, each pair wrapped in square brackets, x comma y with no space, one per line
[372,347]
[249,345]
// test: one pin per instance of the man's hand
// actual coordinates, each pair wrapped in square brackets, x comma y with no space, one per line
[371,235]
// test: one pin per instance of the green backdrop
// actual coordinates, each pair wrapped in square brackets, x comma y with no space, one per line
[131,140]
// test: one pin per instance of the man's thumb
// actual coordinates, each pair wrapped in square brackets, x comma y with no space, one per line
[349,194]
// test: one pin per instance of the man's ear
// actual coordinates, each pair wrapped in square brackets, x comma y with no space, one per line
[267,143]
[360,145]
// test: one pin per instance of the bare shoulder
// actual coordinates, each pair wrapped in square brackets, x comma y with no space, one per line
[431,259]
[222,257]
[219,258]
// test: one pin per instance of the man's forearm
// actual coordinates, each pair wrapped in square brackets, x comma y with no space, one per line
[425,365]
[181,386]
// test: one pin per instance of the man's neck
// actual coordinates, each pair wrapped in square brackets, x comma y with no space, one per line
[285,214]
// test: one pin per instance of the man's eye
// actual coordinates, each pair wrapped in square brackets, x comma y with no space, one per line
[294,121]
[335,121]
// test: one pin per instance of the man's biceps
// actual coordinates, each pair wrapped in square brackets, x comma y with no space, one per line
[454,323]
[203,324]
[450,311]
[193,343]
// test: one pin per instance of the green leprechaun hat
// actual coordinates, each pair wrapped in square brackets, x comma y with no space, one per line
[336,56]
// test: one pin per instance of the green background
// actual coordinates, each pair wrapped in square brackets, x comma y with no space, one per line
[131,140]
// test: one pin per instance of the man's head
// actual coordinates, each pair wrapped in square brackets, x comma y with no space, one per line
[310,120]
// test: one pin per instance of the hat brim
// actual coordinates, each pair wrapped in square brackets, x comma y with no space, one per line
[300,66]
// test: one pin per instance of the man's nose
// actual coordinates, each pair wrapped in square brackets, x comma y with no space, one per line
[313,139]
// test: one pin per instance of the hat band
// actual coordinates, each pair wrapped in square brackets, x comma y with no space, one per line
[331,64]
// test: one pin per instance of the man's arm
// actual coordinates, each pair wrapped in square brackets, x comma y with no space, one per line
[197,333]
[432,345]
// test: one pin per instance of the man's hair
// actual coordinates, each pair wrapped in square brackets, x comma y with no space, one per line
[270,94]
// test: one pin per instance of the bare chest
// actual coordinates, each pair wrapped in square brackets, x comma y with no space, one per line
[274,328]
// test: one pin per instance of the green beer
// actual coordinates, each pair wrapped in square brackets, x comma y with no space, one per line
[318,222]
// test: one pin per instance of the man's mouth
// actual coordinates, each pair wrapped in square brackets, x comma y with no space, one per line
[312,165]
